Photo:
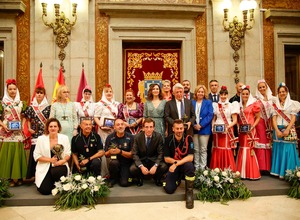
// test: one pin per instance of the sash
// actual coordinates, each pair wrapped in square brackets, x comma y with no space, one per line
[135,130]
[251,138]
[281,113]
[13,111]
[86,114]
[265,117]
[109,108]
[40,115]
[230,132]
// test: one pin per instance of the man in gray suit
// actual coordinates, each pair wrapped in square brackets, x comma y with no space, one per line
[179,108]
[147,153]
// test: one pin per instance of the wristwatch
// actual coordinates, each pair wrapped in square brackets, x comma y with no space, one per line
[175,163]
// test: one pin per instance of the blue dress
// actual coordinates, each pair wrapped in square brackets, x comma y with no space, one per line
[157,114]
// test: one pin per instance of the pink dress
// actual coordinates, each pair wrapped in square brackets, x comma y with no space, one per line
[263,147]
[247,163]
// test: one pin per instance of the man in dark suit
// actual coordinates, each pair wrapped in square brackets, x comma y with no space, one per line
[147,153]
[179,108]
[187,88]
[214,87]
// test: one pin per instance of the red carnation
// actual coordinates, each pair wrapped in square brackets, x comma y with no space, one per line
[11,81]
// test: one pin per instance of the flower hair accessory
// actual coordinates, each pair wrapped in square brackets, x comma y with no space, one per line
[108,85]
[282,84]
[11,81]
[224,88]
[261,81]
[245,87]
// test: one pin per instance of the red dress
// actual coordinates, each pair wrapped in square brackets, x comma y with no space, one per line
[246,162]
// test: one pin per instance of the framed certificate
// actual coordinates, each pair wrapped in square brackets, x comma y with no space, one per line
[219,128]
[245,128]
[131,120]
[109,122]
[14,125]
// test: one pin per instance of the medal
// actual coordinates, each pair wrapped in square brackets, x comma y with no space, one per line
[87,150]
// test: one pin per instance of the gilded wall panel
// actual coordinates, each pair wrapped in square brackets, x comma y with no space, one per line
[101,53]
[23,52]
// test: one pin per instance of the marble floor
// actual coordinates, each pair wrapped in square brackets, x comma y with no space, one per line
[264,207]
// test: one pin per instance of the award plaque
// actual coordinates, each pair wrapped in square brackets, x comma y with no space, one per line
[14,125]
[108,122]
[245,128]
[131,121]
[219,128]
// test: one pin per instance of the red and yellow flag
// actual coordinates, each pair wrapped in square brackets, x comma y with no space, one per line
[60,81]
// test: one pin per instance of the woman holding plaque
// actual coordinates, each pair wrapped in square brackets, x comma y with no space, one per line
[263,150]
[154,108]
[13,164]
[65,112]
[37,113]
[52,153]
[131,112]
[249,117]
[86,107]
[284,153]
[202,127]
[225,117]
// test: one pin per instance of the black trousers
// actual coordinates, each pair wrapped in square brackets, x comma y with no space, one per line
[172,179]
[53,175]
[161,170]
[93,167]
[119,172]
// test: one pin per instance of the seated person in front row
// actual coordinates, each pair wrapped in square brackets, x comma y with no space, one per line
[179,155]
[118,147]
[147,154]
[52,153]
[87,149]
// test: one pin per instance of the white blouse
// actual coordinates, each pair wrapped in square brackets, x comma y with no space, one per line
[228,109]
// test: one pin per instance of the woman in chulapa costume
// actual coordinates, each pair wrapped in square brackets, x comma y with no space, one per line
[131,112]
[13,164]
[65,112]
[86,107]
[249,117]
[263,148]
[37,113]
[225,116]
[106,110]
[284,154]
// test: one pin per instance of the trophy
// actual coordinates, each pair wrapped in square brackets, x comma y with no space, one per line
[185,120]
[57,150]
[113,146]
[82,168]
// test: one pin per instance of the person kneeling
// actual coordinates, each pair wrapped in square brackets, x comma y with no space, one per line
[179,154]
[87,149]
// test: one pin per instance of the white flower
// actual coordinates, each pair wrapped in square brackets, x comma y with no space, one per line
[237,173]
[217,170]
[91,179]
[96,188]
[231,181]
[298,174]
[84,186]
[67,187]
[63,179]
[224,173]
[216,179]
[205,172]
[99,178]
[77,177]
[54,191]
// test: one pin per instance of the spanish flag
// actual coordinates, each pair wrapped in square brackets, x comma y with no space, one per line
[60,81]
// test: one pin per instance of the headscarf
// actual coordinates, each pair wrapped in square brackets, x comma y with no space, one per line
[251,99]
[269,92]
[104,99]
[223,88]
[44,103]
[288,102]
[87,87]
[6,98]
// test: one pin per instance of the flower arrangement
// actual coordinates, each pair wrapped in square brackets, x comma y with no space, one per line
[4,193]
[293,177]
[220,185]
[77,190]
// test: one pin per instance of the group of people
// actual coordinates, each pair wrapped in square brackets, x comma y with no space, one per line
[167,137]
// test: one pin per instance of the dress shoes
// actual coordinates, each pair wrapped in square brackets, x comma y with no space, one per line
[139,182]
[158,183]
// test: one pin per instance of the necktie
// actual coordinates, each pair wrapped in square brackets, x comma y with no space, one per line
[187,96]
[148,139]
[215,98]
[181,109]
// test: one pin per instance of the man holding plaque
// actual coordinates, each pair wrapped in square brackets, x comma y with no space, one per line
[118,147]
[87,149]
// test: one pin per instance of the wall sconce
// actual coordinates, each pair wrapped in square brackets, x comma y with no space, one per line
[237,29]
[61,27]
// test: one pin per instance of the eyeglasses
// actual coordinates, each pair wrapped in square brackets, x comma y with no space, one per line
[66,92]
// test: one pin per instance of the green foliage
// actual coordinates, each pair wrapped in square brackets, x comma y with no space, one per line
[4,193]
[76,190]
[217,185]
[293,177]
